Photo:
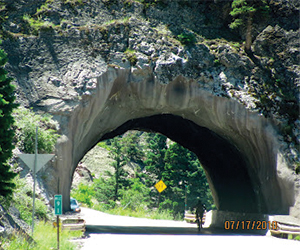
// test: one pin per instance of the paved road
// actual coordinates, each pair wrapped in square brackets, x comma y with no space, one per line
[106,231]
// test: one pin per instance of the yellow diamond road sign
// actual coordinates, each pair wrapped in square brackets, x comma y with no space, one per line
[160,186]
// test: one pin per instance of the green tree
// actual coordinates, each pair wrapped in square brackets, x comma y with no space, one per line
[155,154]
[132,148]
[7,132]
[185,179]
[117,154]
[179,169]
[104,191]
[244,12]
[136,196]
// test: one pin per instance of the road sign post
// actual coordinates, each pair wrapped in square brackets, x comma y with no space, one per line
[160,186]
[58,204]
[57,223]
[58,212]
[35,162]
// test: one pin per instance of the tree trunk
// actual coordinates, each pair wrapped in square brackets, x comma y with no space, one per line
[249,34]
[117,176]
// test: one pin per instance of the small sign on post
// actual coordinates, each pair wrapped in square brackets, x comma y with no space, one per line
[58,204]
[160,186]
[58,212]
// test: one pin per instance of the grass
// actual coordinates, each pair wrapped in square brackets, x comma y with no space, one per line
[103,144]
[43,8]
[131,56]
[45,237]
[73,2]
[124,21]
[139,213]
[294,237]
[22,200]
[38,24]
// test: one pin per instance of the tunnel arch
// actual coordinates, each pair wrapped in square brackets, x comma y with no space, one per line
[224,165]
[238,148]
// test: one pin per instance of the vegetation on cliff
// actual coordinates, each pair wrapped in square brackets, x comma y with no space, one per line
[26,123]
[7,104]
[271,81]
[244,13]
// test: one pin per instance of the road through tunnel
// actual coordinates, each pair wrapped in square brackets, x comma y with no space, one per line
[225,166]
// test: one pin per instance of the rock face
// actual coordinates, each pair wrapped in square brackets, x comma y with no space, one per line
[10,222]
[204,96]
[237,148]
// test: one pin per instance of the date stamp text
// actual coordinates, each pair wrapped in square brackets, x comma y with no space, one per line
[250,225]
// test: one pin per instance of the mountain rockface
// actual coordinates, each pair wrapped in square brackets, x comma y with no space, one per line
[103,67]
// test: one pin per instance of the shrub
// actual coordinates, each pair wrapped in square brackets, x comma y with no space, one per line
[136,197]
[22,200]
[187,38]
[293,237]
[104,145]
[104,191]
[84,193]
[37,25]
[131,56]
[26,122]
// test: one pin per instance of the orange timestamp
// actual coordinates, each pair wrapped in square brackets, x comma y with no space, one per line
[250,225]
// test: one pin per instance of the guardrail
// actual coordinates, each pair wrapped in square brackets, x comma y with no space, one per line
[72,224]
[284,229]
[191,218]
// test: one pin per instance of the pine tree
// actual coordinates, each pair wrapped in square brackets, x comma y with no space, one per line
[117,154]
[183,173]
[155,154]
[243,12]
[132,148]
[7,105]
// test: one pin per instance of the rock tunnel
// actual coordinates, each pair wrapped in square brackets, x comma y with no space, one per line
[223,163]
[236,147]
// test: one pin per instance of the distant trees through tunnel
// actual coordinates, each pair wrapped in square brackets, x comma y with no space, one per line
[137,161]
[233,184]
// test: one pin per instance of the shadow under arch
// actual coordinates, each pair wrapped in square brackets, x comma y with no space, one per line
[226,168]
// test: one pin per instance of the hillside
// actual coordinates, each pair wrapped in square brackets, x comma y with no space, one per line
[47,39]
[102,67]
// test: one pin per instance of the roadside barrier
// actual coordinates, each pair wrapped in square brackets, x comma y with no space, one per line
[284,229]
[72,224]
[191,218]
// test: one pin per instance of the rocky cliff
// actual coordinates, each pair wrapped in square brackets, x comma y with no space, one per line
[102,67]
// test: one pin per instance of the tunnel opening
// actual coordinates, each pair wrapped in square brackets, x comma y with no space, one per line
[144,159]
[226,167]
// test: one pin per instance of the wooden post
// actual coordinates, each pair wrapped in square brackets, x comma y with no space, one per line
[185,200]
[57,223]
[158,200]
